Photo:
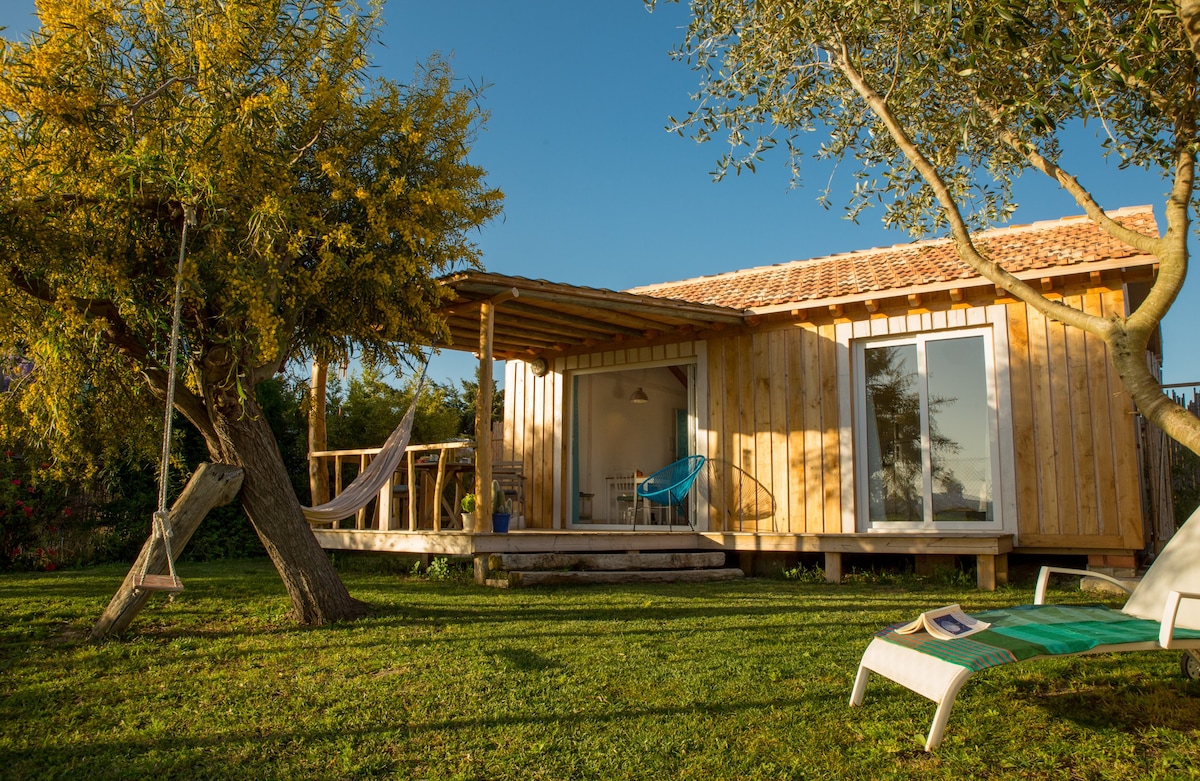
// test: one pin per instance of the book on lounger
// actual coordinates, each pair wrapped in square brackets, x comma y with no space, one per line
[945,623]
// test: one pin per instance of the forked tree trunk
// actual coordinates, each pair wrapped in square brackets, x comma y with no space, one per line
[317,593]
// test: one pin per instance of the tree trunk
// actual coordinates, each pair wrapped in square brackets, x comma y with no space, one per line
[317,593]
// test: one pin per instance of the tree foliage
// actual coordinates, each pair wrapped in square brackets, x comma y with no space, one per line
[937,106]
[318,204]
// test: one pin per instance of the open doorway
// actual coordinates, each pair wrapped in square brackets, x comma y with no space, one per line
[627,424]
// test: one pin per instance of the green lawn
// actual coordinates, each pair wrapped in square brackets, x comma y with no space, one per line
[446,680]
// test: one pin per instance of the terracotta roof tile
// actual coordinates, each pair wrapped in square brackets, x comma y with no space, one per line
[1042,245]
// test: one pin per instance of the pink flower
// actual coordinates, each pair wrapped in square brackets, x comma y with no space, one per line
[67,511]
[16,481]
[28,512]
[50,566]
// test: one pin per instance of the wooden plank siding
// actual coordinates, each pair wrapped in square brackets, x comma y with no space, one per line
[1074,428]
[778,406]
[773,413]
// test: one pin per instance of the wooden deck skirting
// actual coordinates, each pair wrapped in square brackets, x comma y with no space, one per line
[990,550]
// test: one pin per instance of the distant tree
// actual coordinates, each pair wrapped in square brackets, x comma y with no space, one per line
[940,105]
[318,203]
[464,400]
[369,408]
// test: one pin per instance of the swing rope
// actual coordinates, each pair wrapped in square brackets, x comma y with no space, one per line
[161,524]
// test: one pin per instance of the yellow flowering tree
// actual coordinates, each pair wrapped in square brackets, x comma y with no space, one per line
[320,204]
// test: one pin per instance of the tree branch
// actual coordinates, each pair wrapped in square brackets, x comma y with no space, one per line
[1173,250]
[1189,14]
[133,107]
[1148,244]
[117,334]
[966,248]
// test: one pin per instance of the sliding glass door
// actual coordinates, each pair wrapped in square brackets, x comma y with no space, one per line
[926,431]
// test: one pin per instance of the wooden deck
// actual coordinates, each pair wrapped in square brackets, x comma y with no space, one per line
[991,550]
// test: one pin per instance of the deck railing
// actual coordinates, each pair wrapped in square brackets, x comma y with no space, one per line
[423,494]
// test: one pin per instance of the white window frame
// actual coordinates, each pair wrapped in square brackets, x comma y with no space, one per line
[862,483]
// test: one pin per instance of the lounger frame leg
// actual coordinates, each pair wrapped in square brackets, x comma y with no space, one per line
[928,676]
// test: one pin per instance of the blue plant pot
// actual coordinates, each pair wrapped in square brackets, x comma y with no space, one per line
[500,522]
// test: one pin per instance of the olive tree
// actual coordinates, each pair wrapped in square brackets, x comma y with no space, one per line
[315,205]
[937,105]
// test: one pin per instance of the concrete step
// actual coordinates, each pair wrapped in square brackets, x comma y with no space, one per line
[520,579]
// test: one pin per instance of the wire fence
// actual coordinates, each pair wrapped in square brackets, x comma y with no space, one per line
[1183,468]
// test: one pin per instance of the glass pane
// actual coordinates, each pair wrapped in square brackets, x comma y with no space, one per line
[959,430]
[893,434]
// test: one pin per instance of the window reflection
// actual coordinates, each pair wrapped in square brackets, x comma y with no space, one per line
[928,424]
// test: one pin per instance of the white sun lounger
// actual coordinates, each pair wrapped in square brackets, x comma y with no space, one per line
[1162,612]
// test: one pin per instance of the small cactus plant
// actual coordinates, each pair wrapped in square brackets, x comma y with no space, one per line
[500,503]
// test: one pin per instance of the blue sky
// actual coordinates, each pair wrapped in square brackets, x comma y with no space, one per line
[598,193]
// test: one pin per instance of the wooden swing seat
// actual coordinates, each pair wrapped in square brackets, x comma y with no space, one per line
[159,583]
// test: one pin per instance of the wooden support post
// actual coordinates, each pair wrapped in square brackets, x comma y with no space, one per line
[483,570]
[483,419]
[318,470]
[985,572]
[833,567]
[213,485]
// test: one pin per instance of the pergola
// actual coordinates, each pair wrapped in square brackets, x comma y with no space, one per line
[507,318]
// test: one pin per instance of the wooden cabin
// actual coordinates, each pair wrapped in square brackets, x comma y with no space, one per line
[881,401]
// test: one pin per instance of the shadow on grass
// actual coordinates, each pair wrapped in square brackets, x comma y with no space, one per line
[143,757]
[1165,704]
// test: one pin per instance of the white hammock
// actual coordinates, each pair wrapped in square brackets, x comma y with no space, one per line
[367,485]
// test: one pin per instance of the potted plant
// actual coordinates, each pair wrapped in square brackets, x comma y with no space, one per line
[501,509]
[468,511]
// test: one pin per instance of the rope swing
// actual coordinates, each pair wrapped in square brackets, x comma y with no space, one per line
[160,531]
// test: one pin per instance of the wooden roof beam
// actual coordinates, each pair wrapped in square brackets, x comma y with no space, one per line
[624,303]
[564,323]
[510,333]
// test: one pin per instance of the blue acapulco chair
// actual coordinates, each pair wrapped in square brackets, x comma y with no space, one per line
[670,485]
